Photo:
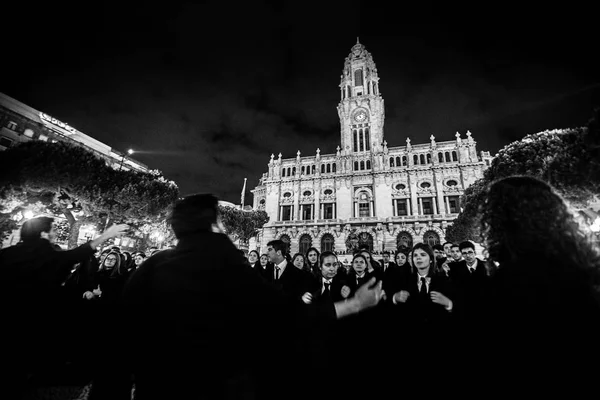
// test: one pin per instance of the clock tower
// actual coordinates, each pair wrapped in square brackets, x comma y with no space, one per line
[360,109]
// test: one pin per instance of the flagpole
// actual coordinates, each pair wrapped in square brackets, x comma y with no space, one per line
[243,193]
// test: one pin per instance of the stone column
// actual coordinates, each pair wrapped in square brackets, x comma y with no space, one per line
[394,207]
[355,209]
[447,205]
[434,201]
[372,209]
[420,200]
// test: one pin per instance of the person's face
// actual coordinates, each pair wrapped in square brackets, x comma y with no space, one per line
[367,256]
[110,261]
[252,257]
[299,262]
[456,253]
[421,259]
[386,258]
[273,255]
[400,258]
[359,265]
[138,260]
[469,255]
[448,249]
[264,259]
[329,267]
[312,257]
[439,254]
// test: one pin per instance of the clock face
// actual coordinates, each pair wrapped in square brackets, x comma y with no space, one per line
[360,117]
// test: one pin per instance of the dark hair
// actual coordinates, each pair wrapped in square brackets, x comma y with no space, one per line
[254,251]
[326,254]
[404,251]
[278,245]
[385,252]
[524,219]
[193,214]
[119,264]
[450,243]
[33,228]
[466,245]
[438,247]
[318,256]
[433,269]
[359,255]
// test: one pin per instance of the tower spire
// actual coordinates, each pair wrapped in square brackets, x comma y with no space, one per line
[357,42]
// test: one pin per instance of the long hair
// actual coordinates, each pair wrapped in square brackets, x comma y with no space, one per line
[524,220]
[433,268]
[117,269]
[305,266]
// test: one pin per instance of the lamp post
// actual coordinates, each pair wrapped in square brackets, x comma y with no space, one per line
[130,152]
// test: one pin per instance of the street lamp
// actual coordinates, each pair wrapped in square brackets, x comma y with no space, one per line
[130,152]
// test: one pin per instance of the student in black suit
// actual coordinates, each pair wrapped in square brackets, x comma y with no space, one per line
[197,312]
[289,278]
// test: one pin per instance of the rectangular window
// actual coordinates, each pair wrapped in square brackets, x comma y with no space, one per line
[363,210]
[427,206]
[286,213]
[328,211]
[401,207]
[306,212]
[454,204]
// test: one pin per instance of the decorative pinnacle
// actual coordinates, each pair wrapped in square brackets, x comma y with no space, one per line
[357,42]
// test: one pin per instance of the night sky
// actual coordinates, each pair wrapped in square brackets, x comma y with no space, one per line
[205,93]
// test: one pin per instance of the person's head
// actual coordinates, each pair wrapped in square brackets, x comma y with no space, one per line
[112,261]
[359,263]
[298,261]
[448,249]
[329,264]
[438,251]
[467,250]
[367,255]
[264,260]
[386,256]
[253,257]
[193,214]
[35,228]
[276,250]
[139,259]
[423,258]
[312,256]
[523,218]
[400,257]
[455,253]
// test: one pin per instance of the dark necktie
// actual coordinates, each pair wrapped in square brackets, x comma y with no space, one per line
[423,291]
[277,273]
[472,270]
[326,292]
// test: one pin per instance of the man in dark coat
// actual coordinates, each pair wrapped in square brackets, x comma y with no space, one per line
[198,311]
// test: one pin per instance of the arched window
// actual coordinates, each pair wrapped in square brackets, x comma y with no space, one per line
[422,159]
[356,165]
[327,242]
[416,159]
[398,162]
[358,77]
[367,139]
[349,91]
[305,243]
[404,239]
[361,141]
[362,165]
[313,169]
[303,170]
[404,161]
[365,238]
[392,162]
[322,168]
[293,170]
[286,239]
[368,164]
[454,156]
[333,167]
[431,238]
[441,157]
[447,154]
[328,168]
[428,158]
[283,173]
[355,136]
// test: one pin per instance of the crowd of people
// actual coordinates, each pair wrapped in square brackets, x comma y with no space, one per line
[202,320]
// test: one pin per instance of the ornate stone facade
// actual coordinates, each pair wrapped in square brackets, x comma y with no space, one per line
[366,192]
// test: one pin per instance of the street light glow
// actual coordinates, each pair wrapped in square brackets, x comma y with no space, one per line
[130,151]
[595,227]
[28,214]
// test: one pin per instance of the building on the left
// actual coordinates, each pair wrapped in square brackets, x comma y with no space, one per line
[21,123]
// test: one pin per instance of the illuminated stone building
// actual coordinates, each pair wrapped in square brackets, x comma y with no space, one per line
[366,192]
